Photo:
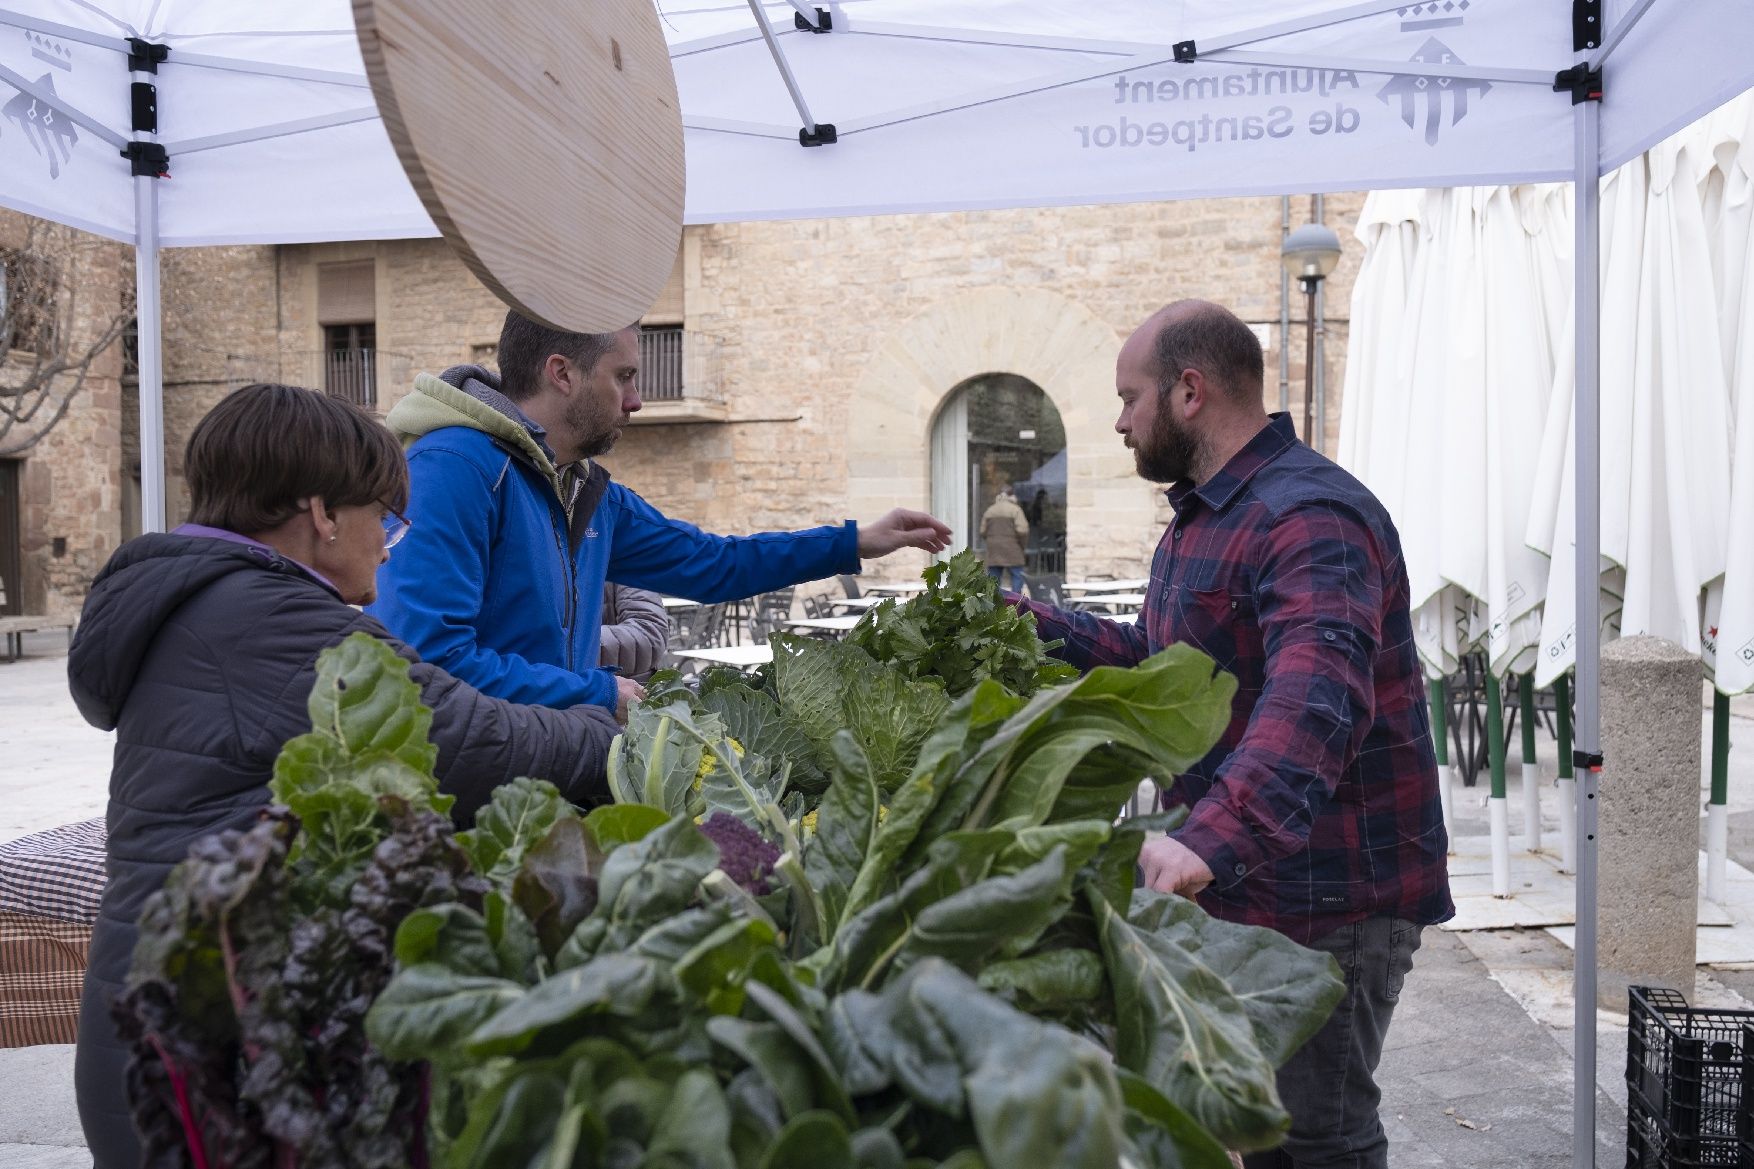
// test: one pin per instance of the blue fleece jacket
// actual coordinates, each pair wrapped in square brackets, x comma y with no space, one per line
[500,580]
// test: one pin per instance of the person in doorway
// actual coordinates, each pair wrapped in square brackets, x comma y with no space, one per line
[636,631]
[517,528]
[1317,813]
[1005,536]
[199,648]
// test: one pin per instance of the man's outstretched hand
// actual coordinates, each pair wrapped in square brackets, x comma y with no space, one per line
[902,528]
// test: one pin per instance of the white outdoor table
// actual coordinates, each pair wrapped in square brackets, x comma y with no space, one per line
[895,588]
[860,603]
[1123,599]
[744,657]
[842,624]
[1105,586]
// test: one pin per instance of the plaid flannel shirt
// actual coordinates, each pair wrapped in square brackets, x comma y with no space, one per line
[1319,806]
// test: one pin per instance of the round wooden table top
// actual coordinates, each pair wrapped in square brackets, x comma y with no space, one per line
[545,139]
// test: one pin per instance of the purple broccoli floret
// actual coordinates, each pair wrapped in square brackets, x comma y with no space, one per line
[745,855]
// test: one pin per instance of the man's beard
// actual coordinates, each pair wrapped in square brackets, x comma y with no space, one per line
[597,435]
[1169,452]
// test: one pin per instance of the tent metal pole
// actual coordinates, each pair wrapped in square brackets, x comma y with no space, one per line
[147,315]
[784,66]
[1586,304]
[1627,21]
[146,309]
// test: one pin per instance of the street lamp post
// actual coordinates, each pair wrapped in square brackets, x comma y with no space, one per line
[1309,254]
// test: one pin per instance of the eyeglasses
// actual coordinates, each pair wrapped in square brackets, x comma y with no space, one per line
[396,526]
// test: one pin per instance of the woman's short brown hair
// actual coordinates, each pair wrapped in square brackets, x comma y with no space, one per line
[265,447]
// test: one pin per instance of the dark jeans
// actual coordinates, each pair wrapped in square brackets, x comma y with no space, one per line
[998,574]
[1329,1087]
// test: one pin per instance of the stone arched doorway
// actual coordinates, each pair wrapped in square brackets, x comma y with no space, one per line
[1052,341]
[1001,432]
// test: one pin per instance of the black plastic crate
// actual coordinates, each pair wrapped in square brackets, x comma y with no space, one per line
[1688,1077]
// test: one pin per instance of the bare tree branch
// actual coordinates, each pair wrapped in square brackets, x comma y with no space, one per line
[60,312]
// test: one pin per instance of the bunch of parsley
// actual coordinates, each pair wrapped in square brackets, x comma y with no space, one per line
[960,633]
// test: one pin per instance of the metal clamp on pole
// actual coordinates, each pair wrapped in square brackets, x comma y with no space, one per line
[144,56]
[821,134]
[148,159]
[1587,760]
[1186,52]
[824,21]
[1582,82]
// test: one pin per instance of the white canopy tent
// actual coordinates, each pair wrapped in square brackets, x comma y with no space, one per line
[905,105]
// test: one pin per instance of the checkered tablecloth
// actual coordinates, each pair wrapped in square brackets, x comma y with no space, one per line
[58,874]
[50,884]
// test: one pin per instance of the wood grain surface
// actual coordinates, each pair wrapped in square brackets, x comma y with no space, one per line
[544,138]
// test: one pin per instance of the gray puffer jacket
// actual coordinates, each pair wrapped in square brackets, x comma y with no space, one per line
[200,654]
[636,630]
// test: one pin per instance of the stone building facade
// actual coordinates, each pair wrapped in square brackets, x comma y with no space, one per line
[818,356]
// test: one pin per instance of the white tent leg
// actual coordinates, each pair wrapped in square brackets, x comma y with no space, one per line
[1587,305]
[1531,807]
[152,508]
[1498,809]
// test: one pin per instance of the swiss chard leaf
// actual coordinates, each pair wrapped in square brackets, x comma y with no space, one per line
[519,815]
[560,1010]
[870,941]
[1286,990]
[556,885]
[1178,1026]
[1048,981]
[429,1007]
[974,716]
[808,1141]
[846,830]
[613,825]
[1167,1135]
[368,739]
[1036,1093]
[365,701]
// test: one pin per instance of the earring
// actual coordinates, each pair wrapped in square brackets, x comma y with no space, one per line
[331,539]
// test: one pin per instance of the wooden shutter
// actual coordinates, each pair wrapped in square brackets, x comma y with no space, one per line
[347,294]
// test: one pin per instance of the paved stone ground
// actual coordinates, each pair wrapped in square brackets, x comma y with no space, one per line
[1477,1073]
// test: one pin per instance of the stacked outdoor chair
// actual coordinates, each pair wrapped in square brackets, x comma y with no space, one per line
[1047,588]
[772,611]
[50,885]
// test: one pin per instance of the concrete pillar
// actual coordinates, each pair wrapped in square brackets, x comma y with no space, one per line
[1649,831]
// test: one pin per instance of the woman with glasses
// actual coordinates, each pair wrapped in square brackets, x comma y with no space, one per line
[198,647]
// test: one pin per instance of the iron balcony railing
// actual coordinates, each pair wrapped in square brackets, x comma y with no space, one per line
[661,354]
[351,374]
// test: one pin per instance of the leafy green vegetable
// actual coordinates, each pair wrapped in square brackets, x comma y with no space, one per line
[519,814]
[828,686]
[1181,1028]
[949,966]
[959,632]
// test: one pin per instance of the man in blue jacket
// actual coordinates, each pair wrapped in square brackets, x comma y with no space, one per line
[499,580]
